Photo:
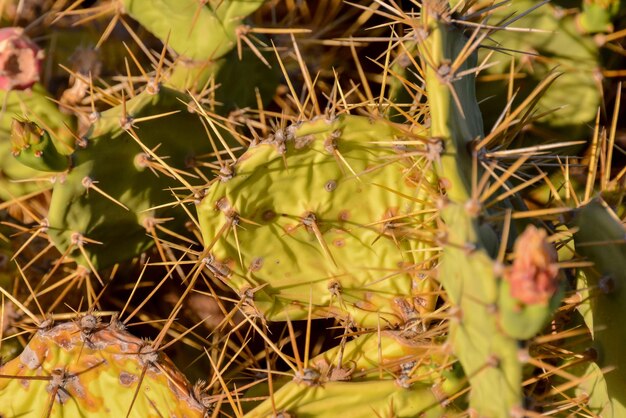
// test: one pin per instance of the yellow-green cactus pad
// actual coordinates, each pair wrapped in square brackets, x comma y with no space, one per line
[200,30]
[374,356]
[353,399]
[85,368]
[379,375]
[412,376]
[327,214]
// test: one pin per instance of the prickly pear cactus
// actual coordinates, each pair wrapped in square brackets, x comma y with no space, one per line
[547,41]
[323,216]
[115,182]
[390,372]
[119,185]
[196,30]
[600,239]
[87,367]
[492,310]
[17,179]
[367,243]
[207,37]
[359,399]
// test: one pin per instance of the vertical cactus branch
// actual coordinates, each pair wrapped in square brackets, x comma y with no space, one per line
[487,349]
[454,113]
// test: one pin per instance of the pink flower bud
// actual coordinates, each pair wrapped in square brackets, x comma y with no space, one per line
[20,60]
[533,277]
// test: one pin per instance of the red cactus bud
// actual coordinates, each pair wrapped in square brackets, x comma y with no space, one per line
[20,60]
[533,276]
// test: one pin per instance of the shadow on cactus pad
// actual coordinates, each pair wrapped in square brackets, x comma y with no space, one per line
[123,170]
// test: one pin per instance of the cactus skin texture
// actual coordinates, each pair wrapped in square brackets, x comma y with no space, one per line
[408,236]
[354,399]
[384,374]
[111,160]
[85,367]
[301,219]
[600,239]
[487,321]
[196,30]
[205,35]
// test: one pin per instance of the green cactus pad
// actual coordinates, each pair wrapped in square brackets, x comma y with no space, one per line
[372,357]
[353,399]
[33,147]
[205,35]
[593,389]
[491,316]
[600,239]
[117,165]
[456,123]
[85,368]
[597,15]
[487,320]
[393,355]
[407,370]
[196,30]
[36,105]
[295,225]
[236,79]
[571,102]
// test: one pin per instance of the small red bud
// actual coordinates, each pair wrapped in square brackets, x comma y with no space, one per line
[533,277]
